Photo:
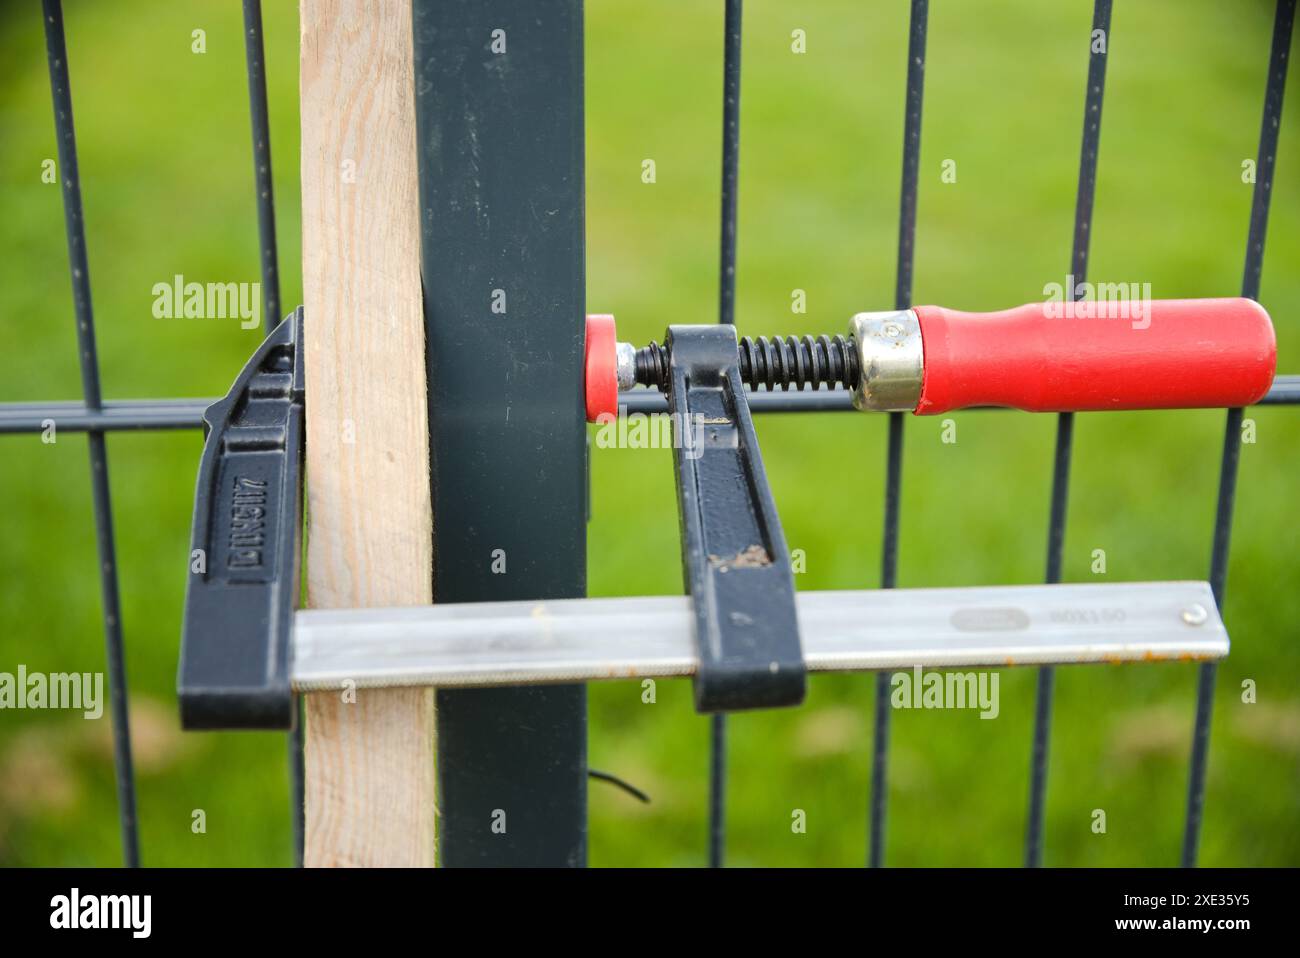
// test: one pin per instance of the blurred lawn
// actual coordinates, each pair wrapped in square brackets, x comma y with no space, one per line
[164,144]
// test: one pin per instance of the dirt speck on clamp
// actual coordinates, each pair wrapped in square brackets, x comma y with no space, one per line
[753,557]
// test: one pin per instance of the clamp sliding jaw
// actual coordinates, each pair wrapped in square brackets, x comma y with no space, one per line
[734,555]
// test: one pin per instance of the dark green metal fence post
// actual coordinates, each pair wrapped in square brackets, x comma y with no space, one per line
[499,113]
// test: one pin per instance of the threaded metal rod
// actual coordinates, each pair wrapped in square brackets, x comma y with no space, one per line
[771,361]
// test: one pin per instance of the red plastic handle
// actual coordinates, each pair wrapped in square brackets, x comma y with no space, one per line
[1068,357]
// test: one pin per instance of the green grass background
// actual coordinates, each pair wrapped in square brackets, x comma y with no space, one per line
[164,144]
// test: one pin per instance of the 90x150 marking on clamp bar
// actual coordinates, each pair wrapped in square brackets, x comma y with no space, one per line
[568,640]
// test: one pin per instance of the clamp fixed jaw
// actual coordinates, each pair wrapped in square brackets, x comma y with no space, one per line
[243,583]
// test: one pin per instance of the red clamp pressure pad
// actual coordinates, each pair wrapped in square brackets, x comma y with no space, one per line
[1066,357]
[600,367]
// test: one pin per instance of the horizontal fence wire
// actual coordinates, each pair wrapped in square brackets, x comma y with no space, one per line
[111,416]
[162,414]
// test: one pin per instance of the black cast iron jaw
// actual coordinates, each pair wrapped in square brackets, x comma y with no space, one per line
[734,555]
[243,581]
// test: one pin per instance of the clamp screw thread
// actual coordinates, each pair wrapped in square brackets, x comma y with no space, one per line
[770,361]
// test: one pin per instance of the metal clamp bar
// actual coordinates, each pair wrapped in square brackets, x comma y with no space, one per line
[579,640]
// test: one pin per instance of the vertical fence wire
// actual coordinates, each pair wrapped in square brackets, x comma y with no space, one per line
[57,54]
[1283,22]
[255,57]
[730,161]
[259,115]
[297,793]
[726,314]
[717,789]
[894,455]
[1099,44]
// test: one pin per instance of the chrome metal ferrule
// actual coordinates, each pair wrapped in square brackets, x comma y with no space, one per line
[890,360]
[625,365]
